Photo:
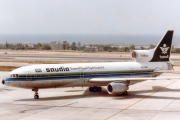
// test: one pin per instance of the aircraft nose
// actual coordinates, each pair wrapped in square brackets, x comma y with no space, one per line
[3,81]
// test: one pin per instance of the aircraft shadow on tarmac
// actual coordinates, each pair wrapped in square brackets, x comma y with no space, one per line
[155,89]
[86,93]
[132,94]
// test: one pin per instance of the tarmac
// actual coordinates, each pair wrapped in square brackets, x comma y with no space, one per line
[148,100]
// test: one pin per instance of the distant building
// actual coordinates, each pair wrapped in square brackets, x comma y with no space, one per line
[176,46]
[91,48]
[142,47]
[56,45]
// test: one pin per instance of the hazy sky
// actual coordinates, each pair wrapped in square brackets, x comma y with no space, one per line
[89,16]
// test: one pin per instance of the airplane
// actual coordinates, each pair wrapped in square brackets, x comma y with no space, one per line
[117,76]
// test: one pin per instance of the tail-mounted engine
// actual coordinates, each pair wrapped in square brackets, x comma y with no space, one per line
[142,55]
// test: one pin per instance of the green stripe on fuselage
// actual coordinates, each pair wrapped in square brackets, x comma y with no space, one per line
[86,73]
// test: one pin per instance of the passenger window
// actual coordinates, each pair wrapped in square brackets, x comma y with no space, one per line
[16,75]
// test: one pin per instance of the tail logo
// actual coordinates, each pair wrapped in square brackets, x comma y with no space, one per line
[164,49]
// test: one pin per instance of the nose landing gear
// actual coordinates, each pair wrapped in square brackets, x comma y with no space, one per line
[36,96]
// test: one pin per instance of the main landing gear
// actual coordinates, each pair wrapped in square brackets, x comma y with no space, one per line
[95,89]
[36,96]
[125,93]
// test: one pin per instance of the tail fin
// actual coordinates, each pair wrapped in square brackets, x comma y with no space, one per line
[163,50]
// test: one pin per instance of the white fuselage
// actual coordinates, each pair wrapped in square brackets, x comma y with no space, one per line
[79,74]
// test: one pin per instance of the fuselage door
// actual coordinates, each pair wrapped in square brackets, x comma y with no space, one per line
[28,76]
[132,71]
[81,73]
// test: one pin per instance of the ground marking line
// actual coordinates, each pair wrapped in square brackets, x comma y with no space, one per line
[140,100]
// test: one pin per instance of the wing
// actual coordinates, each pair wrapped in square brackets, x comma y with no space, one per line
[132,80]
[168,71]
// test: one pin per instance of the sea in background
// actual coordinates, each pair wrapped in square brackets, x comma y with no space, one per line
[84,39]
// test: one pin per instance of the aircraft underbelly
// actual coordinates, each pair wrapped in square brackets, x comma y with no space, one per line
[53,83]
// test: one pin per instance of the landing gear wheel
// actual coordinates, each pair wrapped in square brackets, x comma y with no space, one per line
[99,89]
[125,93]
[95,89]
[36,96]
[91,89]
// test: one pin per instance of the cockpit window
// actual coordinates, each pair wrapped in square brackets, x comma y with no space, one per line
[14,75]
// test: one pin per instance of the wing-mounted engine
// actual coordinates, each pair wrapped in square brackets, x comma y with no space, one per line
[117,88]
[142,55]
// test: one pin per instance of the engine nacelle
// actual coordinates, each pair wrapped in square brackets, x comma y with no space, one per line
[142,55]
[116,88]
